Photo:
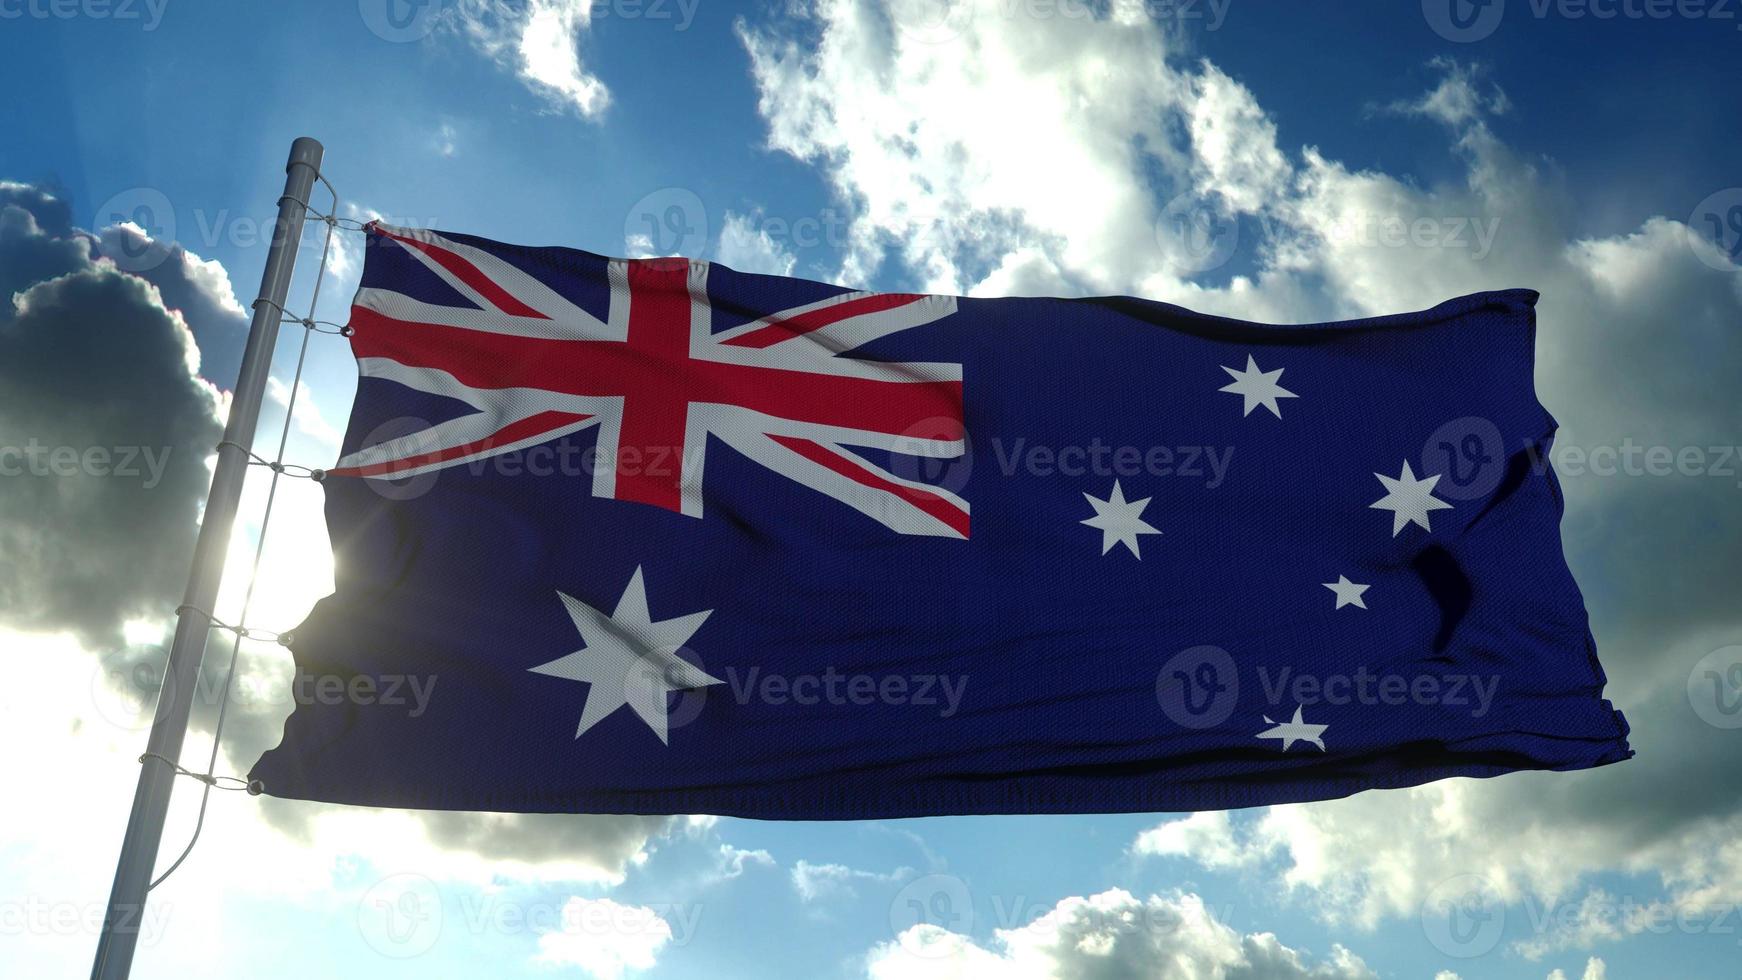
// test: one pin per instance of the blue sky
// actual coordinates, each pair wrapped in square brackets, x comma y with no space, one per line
[1593,143]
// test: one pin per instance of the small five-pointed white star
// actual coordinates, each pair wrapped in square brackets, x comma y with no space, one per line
[628,659]
[1119,521]
[1348,593]
[1257,387]
[1294,731]
[1409,499]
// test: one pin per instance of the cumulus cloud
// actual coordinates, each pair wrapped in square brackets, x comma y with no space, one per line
[540,40]
[1092,156]
[1111,936]
[197,289]
[106,434]
[604,938]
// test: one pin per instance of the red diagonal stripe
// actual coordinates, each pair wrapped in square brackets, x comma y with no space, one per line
[938,507]
[803,323]
[469,274]
[507,435]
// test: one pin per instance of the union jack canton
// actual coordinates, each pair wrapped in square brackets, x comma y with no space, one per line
[650,372]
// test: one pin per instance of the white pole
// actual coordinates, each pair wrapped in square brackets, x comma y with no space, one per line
[126,911]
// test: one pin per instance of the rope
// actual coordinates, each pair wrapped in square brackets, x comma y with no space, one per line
[308,322]
[211,781]
[279,468]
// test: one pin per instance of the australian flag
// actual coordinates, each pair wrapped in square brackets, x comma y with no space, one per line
[656,536]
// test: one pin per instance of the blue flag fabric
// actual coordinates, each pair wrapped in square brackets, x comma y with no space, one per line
[656,536]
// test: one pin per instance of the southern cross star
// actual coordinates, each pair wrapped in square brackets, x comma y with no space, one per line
[1257,387]
[1348,593]
[1294,731]
[1119,521]
[1409,499]
[628,659]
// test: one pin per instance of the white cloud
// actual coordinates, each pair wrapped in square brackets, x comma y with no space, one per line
[747,248]
[1208,837]
[818,882]
[540,40]
[604,938]
[1595,969]
[1112,935]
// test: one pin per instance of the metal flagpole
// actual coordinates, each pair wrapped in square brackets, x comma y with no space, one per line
[125,915]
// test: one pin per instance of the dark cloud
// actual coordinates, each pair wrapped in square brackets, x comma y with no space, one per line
[104,431]
[196,288]
[43,243]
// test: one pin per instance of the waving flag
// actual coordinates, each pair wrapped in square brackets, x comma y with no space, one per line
[655,536]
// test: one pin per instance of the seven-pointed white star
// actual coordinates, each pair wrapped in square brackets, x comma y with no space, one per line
[1294,731]
[1409,499]
[1120,521]
[1348,593]
[1257,387]
[628,659]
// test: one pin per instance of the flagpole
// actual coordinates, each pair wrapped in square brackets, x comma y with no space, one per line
[126,910]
